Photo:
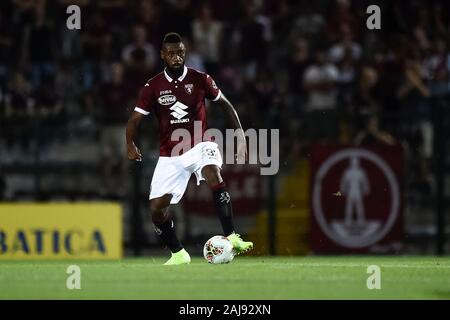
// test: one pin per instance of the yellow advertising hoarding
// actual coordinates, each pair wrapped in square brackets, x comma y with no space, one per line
[60,231]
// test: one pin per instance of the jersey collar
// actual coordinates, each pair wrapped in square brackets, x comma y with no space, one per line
[185,70]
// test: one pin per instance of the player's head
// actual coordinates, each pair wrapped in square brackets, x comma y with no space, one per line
[173,51]
[354,162]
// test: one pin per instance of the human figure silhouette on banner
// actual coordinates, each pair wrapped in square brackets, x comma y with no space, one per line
[354,185]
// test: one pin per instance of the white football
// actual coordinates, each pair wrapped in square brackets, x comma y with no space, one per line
[218,249]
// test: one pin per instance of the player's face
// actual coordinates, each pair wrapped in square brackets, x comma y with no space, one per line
[173,55]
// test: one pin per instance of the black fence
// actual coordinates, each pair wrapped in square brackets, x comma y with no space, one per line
[37,163]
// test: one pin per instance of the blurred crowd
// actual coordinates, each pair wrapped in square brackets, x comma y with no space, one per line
[311,68]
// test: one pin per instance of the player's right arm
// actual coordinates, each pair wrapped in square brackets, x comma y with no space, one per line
[142,109]
[133,151]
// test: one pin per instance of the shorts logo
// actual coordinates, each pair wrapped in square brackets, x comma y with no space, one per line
[210,152]
[167,99]
[189,88]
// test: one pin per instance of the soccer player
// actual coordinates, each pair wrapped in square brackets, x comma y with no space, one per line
[177,97]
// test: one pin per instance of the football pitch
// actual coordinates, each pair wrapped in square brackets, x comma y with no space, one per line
[343,277]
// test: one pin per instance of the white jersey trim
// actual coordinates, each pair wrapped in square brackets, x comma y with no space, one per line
[218,96]
[145,113]
[168,78]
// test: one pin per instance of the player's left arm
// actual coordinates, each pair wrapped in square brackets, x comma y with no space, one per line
[233,117]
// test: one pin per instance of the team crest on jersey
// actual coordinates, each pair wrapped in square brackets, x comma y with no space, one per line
[167,99]
[189,88]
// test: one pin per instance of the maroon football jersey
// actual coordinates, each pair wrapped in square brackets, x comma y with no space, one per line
[177,103]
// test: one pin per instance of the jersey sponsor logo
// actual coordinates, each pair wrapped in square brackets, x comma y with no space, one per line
[165,92]
[179,113]
[167,99]
[179,121]
[189,88]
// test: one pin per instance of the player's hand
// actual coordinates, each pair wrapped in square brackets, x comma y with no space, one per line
[241,155]
[134,153]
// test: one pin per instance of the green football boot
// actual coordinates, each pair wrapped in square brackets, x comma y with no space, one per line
[239,245]
[180,257]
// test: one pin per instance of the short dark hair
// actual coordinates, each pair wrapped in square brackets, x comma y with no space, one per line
[172,37]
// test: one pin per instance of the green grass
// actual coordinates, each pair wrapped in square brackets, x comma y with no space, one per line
[245,278]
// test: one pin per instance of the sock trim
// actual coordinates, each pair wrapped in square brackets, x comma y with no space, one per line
[178,249]
[218,186]
[166,218]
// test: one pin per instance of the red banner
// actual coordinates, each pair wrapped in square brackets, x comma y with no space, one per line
[356,199]
[244,186]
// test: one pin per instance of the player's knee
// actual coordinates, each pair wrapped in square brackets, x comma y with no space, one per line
[212,175]
[158,215]
[158,209]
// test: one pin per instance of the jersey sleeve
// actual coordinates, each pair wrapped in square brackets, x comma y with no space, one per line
[212,91]
[145,100]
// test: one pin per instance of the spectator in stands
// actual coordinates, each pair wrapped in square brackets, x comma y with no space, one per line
[24,11]
[96,43]
[341,14]
[115,98]
[252,41]
[48,113]
[310,23]
[413,95]
[39,45]
[178,18]
[140,53]
[263,89]
[346,47]
[207,38]
[347,71]
[139,57]
[365,100]
[194,59]
[18,99]
[319,82]
[149,15]
[67,86]
[113,12]
[6,45]
[19,107]
[299,60]
[372,135]
[437,68]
